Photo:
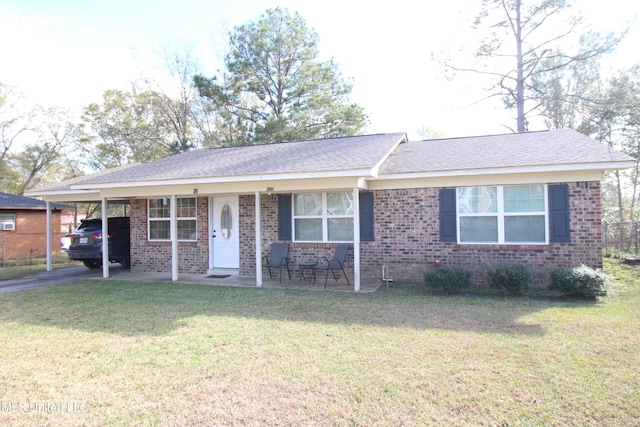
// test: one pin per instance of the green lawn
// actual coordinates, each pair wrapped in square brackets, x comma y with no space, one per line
[18,268]
[134,353]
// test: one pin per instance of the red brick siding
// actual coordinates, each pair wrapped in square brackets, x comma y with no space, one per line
[298,252]
[29,239]
[407,237]
[407,233]
[156,256]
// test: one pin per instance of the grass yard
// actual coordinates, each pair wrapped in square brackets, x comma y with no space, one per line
[17,268]
[132,353]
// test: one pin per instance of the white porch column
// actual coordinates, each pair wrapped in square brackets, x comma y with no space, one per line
[356,239]
[173,209]
[105,239]
[48,239]
[258,241]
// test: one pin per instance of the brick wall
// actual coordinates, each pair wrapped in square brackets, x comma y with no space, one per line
[29,239]
[298,252]
[407,238]
[407,232]
[149,256]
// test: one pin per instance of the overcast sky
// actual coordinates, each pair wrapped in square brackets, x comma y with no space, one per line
[68,52]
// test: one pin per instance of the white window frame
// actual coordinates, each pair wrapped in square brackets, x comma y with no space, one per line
[500,214]
[168,219]
[7,221]
[324,217]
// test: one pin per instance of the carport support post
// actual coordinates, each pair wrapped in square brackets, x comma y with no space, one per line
[356,239]
[258,242]
[48,251]
[174,237]
[105,239]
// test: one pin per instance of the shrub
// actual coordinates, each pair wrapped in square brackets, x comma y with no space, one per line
[510,279]
[580,282]
[451,279]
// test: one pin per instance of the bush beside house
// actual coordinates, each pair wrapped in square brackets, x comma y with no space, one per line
[579,282]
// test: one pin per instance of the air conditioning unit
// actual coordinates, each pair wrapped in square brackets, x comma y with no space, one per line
[8,226]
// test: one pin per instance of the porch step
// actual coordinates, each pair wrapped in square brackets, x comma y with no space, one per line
[223,272]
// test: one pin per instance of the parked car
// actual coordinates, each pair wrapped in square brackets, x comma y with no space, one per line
[86,242]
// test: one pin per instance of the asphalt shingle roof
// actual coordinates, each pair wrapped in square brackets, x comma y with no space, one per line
[564,148]
[12,201]
[557,147]
[323,155]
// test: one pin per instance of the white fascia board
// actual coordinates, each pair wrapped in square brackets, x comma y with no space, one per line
[201,189]
[356,173]
[603,166]
[486,179]
[65,195]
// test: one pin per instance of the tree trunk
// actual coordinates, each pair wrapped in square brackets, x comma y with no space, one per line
[620,212]
[520,70]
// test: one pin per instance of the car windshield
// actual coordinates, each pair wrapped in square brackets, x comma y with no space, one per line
[96,224]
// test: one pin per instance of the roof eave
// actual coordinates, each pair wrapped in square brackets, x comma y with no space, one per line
[599,166]
[357,173]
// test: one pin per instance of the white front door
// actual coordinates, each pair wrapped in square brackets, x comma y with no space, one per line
[224,242]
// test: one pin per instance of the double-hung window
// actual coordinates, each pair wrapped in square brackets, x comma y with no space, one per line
[503,214]
[159,219]
[323,217]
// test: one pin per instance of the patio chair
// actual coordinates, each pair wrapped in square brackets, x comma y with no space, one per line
[278,258]
[337,263]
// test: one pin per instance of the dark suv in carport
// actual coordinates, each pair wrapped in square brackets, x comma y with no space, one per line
[86,242]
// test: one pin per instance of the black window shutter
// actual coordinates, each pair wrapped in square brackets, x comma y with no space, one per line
[284,217]
[366,217]
[448,215]
[559,213]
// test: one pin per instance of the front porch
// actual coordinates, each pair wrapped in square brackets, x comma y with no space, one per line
[366,286]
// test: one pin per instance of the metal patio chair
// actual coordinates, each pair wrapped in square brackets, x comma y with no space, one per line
[337,263]
[278,258]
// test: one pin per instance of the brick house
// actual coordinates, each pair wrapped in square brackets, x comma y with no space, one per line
[531,197]
[23,227]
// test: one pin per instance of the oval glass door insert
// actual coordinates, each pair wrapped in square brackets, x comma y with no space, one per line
[226,222]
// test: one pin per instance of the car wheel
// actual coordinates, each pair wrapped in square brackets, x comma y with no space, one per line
[92,263]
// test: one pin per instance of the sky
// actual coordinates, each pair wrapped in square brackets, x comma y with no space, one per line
[66,53]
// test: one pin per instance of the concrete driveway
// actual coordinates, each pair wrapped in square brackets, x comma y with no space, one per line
[53,277]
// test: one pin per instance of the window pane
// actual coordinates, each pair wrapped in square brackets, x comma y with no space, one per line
[226,222]
[478,200]
[159,208]
[528,228]
[159,230]
[524,198]
[340,229]
[186,207]
[479,229]
[186,229]
[340,203]
[307,204]
[309,229]
[7,221]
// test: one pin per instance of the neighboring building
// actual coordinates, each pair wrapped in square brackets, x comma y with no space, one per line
[23,226]
[531,197]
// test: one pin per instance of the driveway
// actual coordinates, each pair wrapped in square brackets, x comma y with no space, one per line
[53,277]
